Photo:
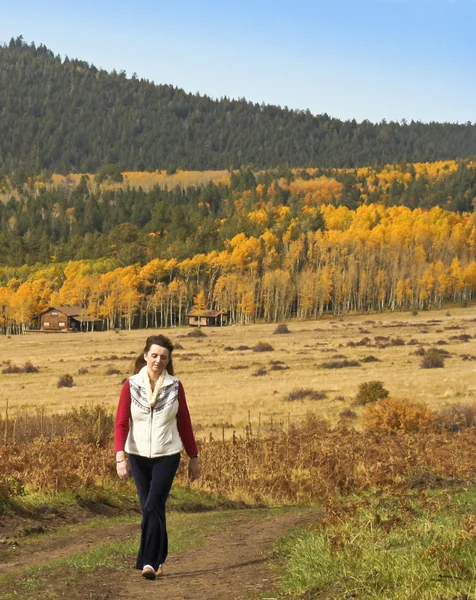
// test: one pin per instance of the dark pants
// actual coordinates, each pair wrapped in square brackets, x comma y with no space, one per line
[153,478]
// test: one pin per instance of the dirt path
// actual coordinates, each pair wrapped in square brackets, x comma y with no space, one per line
[231,563]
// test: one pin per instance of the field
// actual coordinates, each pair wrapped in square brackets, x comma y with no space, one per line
[232,379]
[366,512]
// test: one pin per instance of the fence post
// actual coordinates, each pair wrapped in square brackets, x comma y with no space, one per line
[6,425]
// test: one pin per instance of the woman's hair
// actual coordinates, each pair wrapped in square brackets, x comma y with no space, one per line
[160,340]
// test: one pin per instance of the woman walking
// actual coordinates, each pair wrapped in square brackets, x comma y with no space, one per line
[153,426]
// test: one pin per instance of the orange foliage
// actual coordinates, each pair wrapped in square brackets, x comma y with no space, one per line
[404,416]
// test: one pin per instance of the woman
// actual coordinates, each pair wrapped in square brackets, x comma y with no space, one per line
[152,426]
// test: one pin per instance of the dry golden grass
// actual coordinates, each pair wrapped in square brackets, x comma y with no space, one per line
[220,393]
[147,180]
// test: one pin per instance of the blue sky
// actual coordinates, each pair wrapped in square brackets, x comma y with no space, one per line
[362,59]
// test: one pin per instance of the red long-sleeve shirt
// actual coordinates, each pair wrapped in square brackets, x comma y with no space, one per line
[184,423]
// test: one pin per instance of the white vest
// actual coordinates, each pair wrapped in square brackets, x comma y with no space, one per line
[153,430]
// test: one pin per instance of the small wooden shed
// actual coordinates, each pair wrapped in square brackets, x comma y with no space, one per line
[206,318]
[67,318]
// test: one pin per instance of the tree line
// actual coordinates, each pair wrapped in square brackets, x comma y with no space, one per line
[65,115]
[45,221]
[369,259]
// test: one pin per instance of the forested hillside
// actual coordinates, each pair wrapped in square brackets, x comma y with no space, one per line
[68,116]
[265,245]
[151,216]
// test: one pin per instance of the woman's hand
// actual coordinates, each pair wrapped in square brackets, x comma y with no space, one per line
[122,467]
[193,469]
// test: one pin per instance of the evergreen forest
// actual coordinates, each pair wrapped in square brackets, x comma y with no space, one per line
[66,116]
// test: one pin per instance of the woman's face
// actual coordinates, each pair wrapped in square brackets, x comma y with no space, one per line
[157,359]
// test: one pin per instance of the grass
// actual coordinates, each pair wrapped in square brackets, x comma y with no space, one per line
[396,547]
[120,496]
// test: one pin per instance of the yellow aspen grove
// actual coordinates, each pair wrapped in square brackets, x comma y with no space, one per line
[294,255]
[6,310]
[246,252]
[278,294]
[306,289]
[457,277]
[23,306]
[381,289]
[426,287]
[120,297]
[177,293]
[160,305]
[370,258]
[247,306]
[200,301]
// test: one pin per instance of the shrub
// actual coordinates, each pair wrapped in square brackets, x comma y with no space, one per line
[92,424]
[370,358]
[459,416]
[281,328]
[404,416]
[28,367]
[259,372]
[347,413]
[178,346]
[10,487]
[238,367]
[263,347]
[339,364]
[397,342]
[242,348]
[12,369]
[370,391]
[65,381]
[420,352]
[433,359]
[275,367]
[464,337]
[112,371]
[304,393]
[196,333]
[82,371]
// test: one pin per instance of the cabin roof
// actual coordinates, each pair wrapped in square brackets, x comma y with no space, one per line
[204,313]
[77,312]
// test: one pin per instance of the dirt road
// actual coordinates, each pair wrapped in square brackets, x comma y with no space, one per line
[230,564]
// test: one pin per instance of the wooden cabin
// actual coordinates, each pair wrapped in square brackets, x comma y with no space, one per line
[206,318]
[67,318]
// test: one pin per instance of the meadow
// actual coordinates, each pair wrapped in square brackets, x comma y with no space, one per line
[240,375]
[276,413]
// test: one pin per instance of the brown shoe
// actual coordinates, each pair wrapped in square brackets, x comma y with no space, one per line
[148,573]
[160,571]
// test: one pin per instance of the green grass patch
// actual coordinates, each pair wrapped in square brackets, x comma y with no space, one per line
[121,496]
[395,546]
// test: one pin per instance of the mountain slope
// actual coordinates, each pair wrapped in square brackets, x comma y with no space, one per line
[68,116]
